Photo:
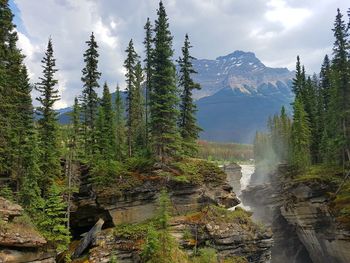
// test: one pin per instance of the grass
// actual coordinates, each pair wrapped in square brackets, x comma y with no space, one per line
[198,171]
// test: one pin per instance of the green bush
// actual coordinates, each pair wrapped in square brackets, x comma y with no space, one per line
[139,164]
[206,255]
[105,171]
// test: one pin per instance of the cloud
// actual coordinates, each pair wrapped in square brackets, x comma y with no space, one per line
[276,30]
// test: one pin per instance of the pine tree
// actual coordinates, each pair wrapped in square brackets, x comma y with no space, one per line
[299,80]
[325,81]
[130,64]
[6,109]
[340,66]
[139,110]
[120,126]
[164,99]
[189,129]
[29,169]
[300,137]
[106,126]
[90,78]
[48,125]
[53,225]
[148,69]
[75,136]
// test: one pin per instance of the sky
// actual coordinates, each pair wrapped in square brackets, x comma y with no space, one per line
[275,30]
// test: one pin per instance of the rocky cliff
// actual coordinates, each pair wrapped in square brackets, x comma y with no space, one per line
[19,241]
[300,213]
[199,199]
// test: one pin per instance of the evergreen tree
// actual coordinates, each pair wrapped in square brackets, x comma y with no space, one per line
[120,126]
[53,225]
[340,67]
[139,110]
[300,137]
[7,32]
[48,126]
[299,80]
[130,64]
[29,169]
[75,119]
[106,126]
[164,99]
[90,78]
[148,69]
[189,129]
[325,81]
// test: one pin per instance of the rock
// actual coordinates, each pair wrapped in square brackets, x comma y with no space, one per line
[19,240]
[325,240]
[9,210]
[140,203]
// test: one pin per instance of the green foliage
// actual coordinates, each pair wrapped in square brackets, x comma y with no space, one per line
[139,164]
[235,259]
[113,258]
[53,221]
[164,210]
[187,123]
[199,171]
[48,126]
[106,127]
[148,70]
[135,102]
[133,231]
[104,172]
[300,138]
[6,192]
[90,78]
[206,255]
[164,100]
[120,149]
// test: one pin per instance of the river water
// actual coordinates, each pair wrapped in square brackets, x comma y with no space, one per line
[247,171]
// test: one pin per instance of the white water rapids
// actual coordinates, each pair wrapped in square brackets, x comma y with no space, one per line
[247,171]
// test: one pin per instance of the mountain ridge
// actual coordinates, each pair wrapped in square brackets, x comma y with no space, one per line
[238,93]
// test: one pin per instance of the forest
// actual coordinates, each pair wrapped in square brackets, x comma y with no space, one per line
[37,154]
[147,148]
[314,142]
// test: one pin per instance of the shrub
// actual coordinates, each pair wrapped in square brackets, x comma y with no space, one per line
[106,171]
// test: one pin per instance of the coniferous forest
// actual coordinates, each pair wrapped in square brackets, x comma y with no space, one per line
[140,148]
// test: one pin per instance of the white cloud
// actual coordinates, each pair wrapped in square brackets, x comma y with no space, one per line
[276,30]
[288,16]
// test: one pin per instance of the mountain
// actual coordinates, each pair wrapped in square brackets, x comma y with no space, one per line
[238,94]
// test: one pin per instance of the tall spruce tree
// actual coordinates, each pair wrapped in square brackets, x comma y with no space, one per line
[75,119]
[6,108]
[120,126]
[107,137]
[148,42]
[300,137]
[138,102]
[130,64]
[325,81]
[48,125]
[164,99]
[340,67]
[189,129]
[298,81]
[90,78]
